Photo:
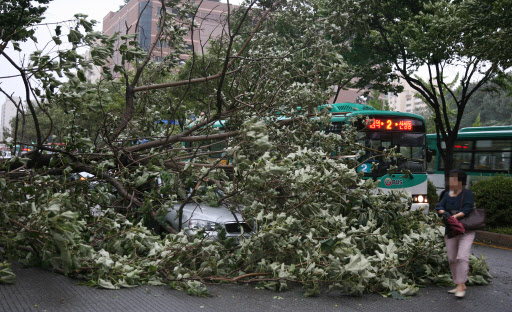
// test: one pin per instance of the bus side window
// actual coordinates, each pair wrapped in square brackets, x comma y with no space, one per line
[493,155]
[499,161]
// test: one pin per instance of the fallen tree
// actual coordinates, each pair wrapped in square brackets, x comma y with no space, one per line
[319,223]
[316,220]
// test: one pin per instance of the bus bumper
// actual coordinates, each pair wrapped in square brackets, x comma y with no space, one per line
[423,207]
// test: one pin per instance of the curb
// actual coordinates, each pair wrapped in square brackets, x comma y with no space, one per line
[494,238]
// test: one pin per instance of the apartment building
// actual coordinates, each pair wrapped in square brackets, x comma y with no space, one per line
[8,112]
[406,101]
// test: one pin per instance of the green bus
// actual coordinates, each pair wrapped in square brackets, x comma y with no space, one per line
[480,151]
[377,131]
[385,130]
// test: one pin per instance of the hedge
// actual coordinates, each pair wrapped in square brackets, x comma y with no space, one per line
[495,195]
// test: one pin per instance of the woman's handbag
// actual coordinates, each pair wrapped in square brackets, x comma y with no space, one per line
[475,220]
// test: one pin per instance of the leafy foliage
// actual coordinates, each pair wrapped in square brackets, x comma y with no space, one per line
[18,17]
[432,196]
[6,274]
[492,194]
[314,228]
[491,106]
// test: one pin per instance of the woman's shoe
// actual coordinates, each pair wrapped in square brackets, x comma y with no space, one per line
[452,291]
[460,294]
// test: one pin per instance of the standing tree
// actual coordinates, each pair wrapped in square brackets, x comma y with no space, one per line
[471,36]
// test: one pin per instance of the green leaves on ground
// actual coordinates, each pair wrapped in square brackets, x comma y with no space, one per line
[6,274]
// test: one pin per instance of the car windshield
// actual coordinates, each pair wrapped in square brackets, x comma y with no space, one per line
[409,145]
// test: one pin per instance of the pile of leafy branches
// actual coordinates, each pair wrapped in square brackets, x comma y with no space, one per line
[317,223]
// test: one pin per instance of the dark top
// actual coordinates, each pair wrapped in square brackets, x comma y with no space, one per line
[453,204]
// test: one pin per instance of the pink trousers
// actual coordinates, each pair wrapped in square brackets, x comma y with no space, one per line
[459,251]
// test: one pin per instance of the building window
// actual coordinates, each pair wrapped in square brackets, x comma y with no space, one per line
[145,10]
[162,44]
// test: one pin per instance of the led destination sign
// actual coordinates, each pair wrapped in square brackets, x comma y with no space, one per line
[388,124]
[394,124]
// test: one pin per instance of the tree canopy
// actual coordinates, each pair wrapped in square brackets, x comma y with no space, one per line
[492,107]
[435,36]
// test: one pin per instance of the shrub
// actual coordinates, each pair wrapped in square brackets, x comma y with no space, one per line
[432,196]
[495,195]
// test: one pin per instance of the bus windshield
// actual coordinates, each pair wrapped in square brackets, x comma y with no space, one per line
[409,145]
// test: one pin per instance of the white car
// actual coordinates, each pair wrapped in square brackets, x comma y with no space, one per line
[212,219]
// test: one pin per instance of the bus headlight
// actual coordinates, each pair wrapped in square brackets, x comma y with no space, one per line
[419,198]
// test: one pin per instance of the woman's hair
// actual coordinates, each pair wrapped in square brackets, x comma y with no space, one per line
[460,174]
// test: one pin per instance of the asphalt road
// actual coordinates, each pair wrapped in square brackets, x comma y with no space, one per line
[39,290]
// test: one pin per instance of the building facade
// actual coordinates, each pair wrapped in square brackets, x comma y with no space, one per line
[92,74]
[210,17]
[351,95]
[8,112]
[406,101]
[348,95]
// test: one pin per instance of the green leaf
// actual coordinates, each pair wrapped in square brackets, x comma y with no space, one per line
[6,274]
[74,36]
[57,40]
[142,179]
[396,295]
[106,284]
[328,244]
[357,263]
[16,46]
[81,75]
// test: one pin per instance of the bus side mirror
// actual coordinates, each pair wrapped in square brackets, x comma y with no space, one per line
[429,155]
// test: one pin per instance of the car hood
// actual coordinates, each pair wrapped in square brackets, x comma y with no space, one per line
[205,212]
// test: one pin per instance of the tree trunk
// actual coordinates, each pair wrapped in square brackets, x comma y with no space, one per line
[448,158]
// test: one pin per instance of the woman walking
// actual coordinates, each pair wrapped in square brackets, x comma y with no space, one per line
[458,202]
